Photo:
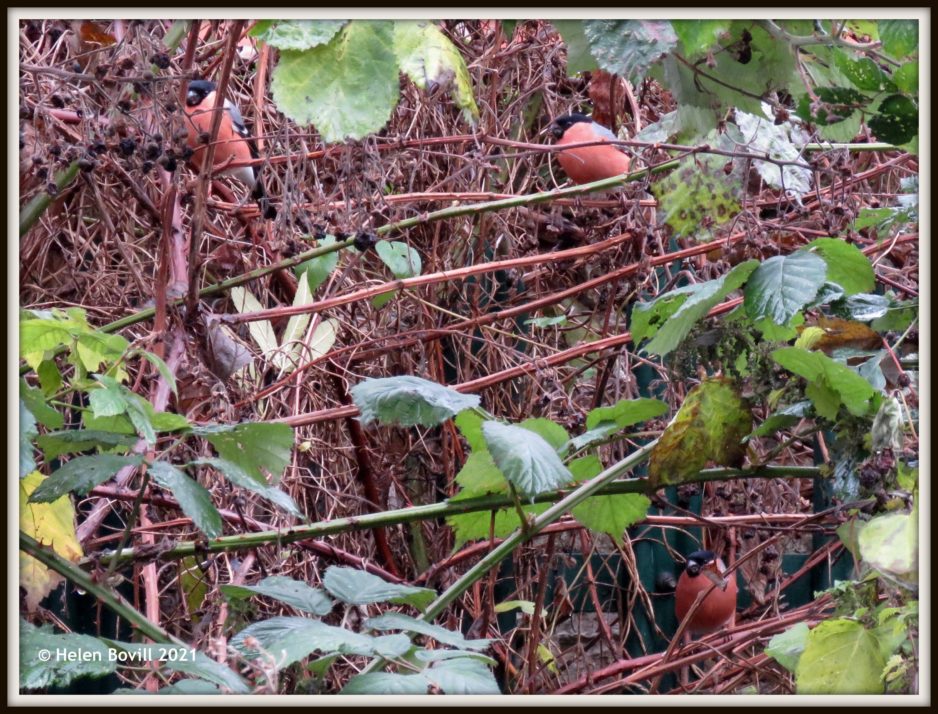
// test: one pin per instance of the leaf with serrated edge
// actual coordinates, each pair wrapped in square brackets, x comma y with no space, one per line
[194,500]
[292,592]
[347,88]
[357,587]
[409,401]
[783,284]
[528,462]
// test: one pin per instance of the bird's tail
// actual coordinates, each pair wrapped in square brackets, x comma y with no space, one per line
[263,202]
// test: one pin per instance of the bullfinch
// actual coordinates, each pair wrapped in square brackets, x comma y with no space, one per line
[234,143]
[702,570]
[588,163]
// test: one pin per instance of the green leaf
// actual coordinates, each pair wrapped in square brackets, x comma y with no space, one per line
[579,58]
[409,401]
[626,412]
[109,400]
[752,64]
[836,105]
[469,423]
[698,36]
[429,58]
[828,380]
[72,656]
[399,621]
[879,218]
[594,436]
[287,590]
[185,687]
[899,37]
[38,336]
[607,514]
[527,460]
[898,318]
[698,197]
[550,431]
[849,534]
[462,675]
[526,606]
[401,259]
[254,447]
[28,432]
[290,639]
[648,317]
[35,401]
[892,629]
[897,120]
[543,322]
[773,423]
[296,34]
[864,73]
[906,78]
[194,500]
[906,477]
[139,416]
[786,647]
[347,88]
[387,683]
[705,296]
[890,544]
[865,307]
[662,130]
[479,475]
[629,47]
[95,348]
[478,525]
[318,269]
[709,426]
[239,477]
[357,587]
[783,284]
[840,657]
[81,474]
[165,421]
[603,422]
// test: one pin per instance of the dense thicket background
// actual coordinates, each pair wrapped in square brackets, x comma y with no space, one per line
[110,211]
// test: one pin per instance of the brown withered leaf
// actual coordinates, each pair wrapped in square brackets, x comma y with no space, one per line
[91,33]
[840,333]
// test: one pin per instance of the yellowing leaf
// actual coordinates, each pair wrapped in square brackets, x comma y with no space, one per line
[50,524]
[709,426]
[428,57]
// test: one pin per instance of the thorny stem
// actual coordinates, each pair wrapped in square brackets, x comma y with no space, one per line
[422,513]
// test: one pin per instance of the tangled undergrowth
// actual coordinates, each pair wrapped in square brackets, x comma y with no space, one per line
[113,243]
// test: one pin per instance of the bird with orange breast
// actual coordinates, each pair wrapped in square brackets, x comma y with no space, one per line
[234,143]
[702,572]
[584,164]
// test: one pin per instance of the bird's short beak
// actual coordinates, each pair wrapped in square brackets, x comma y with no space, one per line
[716,579]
